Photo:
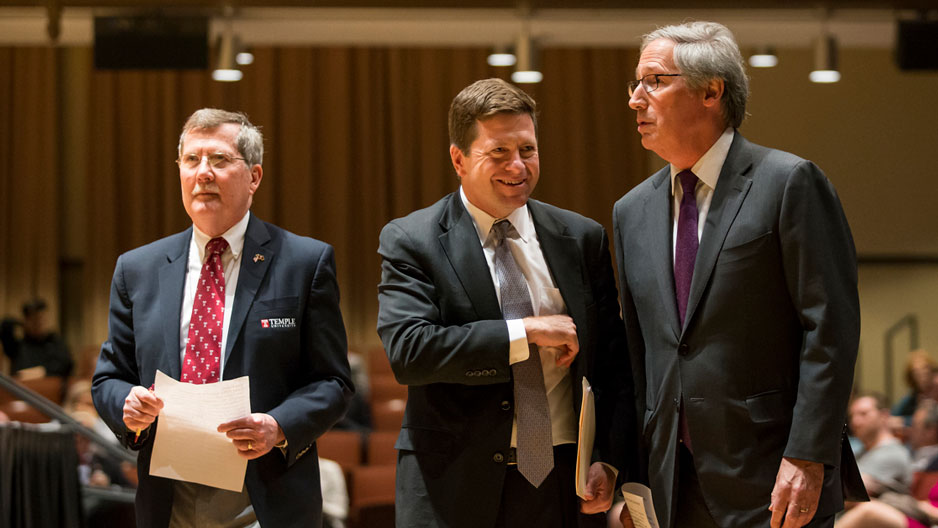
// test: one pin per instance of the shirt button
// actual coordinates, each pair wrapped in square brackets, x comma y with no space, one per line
[506,405]
[498,458]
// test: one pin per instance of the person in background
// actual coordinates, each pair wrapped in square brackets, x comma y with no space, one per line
[34,350]
[920,371]
[885,464]
[923,437]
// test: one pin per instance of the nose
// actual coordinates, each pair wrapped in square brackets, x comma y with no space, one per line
[204,171]
[637,99]
[515,163]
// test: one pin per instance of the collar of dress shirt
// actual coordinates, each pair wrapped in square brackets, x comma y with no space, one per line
[234,237]
[519,218]
[709,165]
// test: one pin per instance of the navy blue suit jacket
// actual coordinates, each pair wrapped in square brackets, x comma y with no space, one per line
[299,374]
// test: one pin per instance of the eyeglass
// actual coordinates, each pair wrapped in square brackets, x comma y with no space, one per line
[649,82]
[218,160]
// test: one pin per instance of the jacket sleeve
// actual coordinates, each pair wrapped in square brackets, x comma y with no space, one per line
[422,344]
[819,261]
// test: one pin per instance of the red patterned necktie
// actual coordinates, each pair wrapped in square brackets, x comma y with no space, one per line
[202,361]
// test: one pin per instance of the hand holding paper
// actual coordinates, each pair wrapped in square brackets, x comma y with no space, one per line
[141,407]
[600,486]
[188,445]
[253,435]
[639,509]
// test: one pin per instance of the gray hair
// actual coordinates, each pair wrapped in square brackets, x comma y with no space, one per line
[249,141]
[705,51]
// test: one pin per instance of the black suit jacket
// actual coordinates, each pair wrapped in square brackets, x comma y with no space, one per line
[444,333]
[299,375]
[766,355]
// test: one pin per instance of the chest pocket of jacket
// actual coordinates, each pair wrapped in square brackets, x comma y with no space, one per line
[738,255]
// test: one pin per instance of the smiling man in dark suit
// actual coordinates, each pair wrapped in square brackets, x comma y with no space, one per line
[493,307]
[739,293]
[268,304]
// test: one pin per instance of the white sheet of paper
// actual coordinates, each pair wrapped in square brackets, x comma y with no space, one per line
[187,445]
[585,439]
[641,507]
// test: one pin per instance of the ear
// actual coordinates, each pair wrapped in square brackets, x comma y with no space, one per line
[459,160]
[713,92]
[257,172]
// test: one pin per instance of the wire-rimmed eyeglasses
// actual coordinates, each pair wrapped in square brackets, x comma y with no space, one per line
[649,82]
[218,160]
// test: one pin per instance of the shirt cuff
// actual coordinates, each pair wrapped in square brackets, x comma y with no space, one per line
[518,338]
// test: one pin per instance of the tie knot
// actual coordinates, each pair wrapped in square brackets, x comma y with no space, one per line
[216,245]
[503,229]
[688,181]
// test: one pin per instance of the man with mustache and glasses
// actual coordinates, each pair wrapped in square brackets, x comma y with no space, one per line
[492,309]
[738,278]
[268,304]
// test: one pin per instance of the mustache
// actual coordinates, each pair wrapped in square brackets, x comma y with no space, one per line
[200,189]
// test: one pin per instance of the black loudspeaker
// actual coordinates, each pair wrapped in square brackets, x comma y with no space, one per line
[917,45]
[160,42]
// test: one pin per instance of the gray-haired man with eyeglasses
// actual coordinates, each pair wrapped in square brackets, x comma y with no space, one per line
[737,272]
[231,296]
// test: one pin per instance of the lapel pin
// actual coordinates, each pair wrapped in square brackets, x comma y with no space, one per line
[258,256]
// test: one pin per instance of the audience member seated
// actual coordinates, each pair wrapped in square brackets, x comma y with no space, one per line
[923,436]
[358,416]
[33,349]
[334,494]
[898,512]
[885,464]
[920,372]
[79,405]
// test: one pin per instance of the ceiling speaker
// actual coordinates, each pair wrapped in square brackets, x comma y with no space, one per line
[151,42]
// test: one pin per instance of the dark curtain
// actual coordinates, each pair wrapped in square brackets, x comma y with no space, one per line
[39,485]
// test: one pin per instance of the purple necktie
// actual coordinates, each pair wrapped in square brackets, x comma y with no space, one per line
[685,255]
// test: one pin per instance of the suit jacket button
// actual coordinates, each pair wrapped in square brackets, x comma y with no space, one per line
[683,349]
[469,373]
[498,457]
[506,405]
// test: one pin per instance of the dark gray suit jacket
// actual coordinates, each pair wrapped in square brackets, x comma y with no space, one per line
[765,359]
[299,374]
[441,324]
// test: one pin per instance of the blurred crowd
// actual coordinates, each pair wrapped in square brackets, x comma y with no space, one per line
[897,452]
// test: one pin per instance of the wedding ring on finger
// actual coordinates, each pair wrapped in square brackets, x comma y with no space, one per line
[251,448]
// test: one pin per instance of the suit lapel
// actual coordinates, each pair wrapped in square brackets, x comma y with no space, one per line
[731,190]
[563,260]
[172,276]
[658,224]
[460,242]
[249,278]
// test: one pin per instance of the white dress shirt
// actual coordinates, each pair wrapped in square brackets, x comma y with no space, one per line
[545,300]
[707,169]
[231,261]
